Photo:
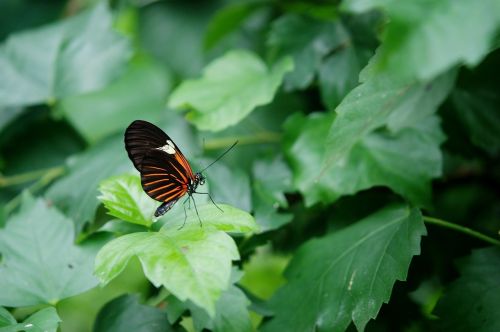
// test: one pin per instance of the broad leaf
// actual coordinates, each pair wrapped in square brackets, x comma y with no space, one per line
[192,262]
[79,55]
[471,303]
[76,193]
[415,44]
[125,199]
[227,20]
[377,102]
[231,313]
[143,87]
[45,320]
[347,275]
[308,41]
[231,87]
[125,313]
[271,179]
[479,112]
[6,318]
[405,162]
[41,238]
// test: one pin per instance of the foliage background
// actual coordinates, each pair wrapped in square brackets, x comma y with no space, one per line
[368,157]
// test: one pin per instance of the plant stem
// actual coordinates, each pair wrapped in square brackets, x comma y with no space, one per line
[45,177]
[26,177]
[261,137]
[462,229]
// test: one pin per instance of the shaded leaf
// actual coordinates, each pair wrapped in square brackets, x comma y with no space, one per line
[125,199]
[227,20]
[479,112]
[479,275]
[76,193]
[79,55]
[231,87]
[308,41]
[415,44]
[125,313]
[41,238]
[6,318]
[143,87]
[192,262]
[347,275]
[405,162]
[45,320]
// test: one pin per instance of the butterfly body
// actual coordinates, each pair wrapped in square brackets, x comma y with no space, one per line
[166,175]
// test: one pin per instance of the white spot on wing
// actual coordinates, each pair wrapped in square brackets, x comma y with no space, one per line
[168,148]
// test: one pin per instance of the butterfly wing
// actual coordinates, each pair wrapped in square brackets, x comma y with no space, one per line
[165,172]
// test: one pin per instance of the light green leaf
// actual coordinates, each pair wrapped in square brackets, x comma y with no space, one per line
[76,193]
[125,199]
[45,320]
[308,41]
[125,313]
[6,318]
[192,262]
[471,303]
[347,275]
[405,162]
[426,38]
[41,238]
[79,55]
[143,87]
[231,87]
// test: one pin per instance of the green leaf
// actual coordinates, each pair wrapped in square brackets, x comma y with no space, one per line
[227,20]
[76,193]
[125,199]
[338,74]
[125,313]
[379,158]
[40,263]
[271,179]
[308,41]
[231,313]
[231,87]
[143,87]
[45,320]
[347,275]
[79,55]
[192,262]
[471,302]
[479,112]
[6,318]
[415,44]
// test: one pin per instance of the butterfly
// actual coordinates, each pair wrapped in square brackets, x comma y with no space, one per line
[166,175]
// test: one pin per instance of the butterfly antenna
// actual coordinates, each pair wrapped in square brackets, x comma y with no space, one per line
[218,158]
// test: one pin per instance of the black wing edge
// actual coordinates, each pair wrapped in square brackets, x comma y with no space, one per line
[140,138]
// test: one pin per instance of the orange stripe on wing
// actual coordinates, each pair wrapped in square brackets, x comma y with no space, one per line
[153,182]
[180,173]
[168,192]
[160,188]
[154,167]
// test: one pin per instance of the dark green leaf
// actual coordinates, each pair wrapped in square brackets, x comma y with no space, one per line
[142,88]
[125,313]
[227,20]
[231,313]
[231,87]
[191,262]
[471,303]
[308,41]
[347,275]
[479,112]
[6,318]
[76,193]
[79,55]
[415,44]
[45,320]
[40,263]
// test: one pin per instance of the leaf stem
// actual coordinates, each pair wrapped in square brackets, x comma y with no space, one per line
[6,181]
[462,229]
[45,177]
[260,137]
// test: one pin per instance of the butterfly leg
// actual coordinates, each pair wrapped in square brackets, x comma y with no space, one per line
[210,199]
[196,209]
[185,214]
